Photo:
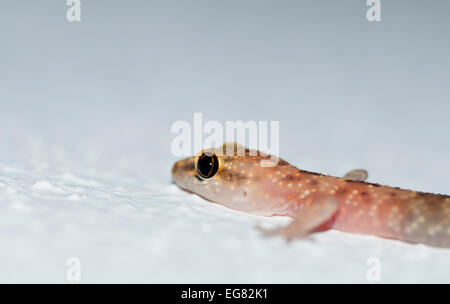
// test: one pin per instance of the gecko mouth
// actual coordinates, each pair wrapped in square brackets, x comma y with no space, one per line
[190,183]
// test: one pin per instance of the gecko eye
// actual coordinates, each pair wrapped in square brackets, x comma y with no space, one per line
[207,165]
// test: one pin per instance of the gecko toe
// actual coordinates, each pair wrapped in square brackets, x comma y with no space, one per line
[288,234]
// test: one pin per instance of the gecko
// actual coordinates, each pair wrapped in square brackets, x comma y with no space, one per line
[315,202]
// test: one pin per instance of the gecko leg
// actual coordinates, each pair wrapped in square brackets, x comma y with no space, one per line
[357,174]
[307,220]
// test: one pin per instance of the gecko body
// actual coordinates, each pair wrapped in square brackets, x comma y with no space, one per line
[316,202]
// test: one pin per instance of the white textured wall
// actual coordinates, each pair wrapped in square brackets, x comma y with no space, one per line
[85,119]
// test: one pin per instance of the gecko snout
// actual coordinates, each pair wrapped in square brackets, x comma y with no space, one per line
[183,169]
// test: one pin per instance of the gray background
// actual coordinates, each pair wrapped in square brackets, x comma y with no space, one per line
[96,99]
[319,67]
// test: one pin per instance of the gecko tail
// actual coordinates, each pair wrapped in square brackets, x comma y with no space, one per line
[426,220]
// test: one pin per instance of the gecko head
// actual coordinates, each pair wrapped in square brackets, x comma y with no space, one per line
[220,177]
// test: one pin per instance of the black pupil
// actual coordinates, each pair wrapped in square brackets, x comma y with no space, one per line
[207,165]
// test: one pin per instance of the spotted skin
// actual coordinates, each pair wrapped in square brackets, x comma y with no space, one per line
[241,183]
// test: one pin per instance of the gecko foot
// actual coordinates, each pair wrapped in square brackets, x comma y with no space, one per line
[307,221]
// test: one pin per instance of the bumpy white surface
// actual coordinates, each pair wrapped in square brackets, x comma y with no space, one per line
[127,222]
